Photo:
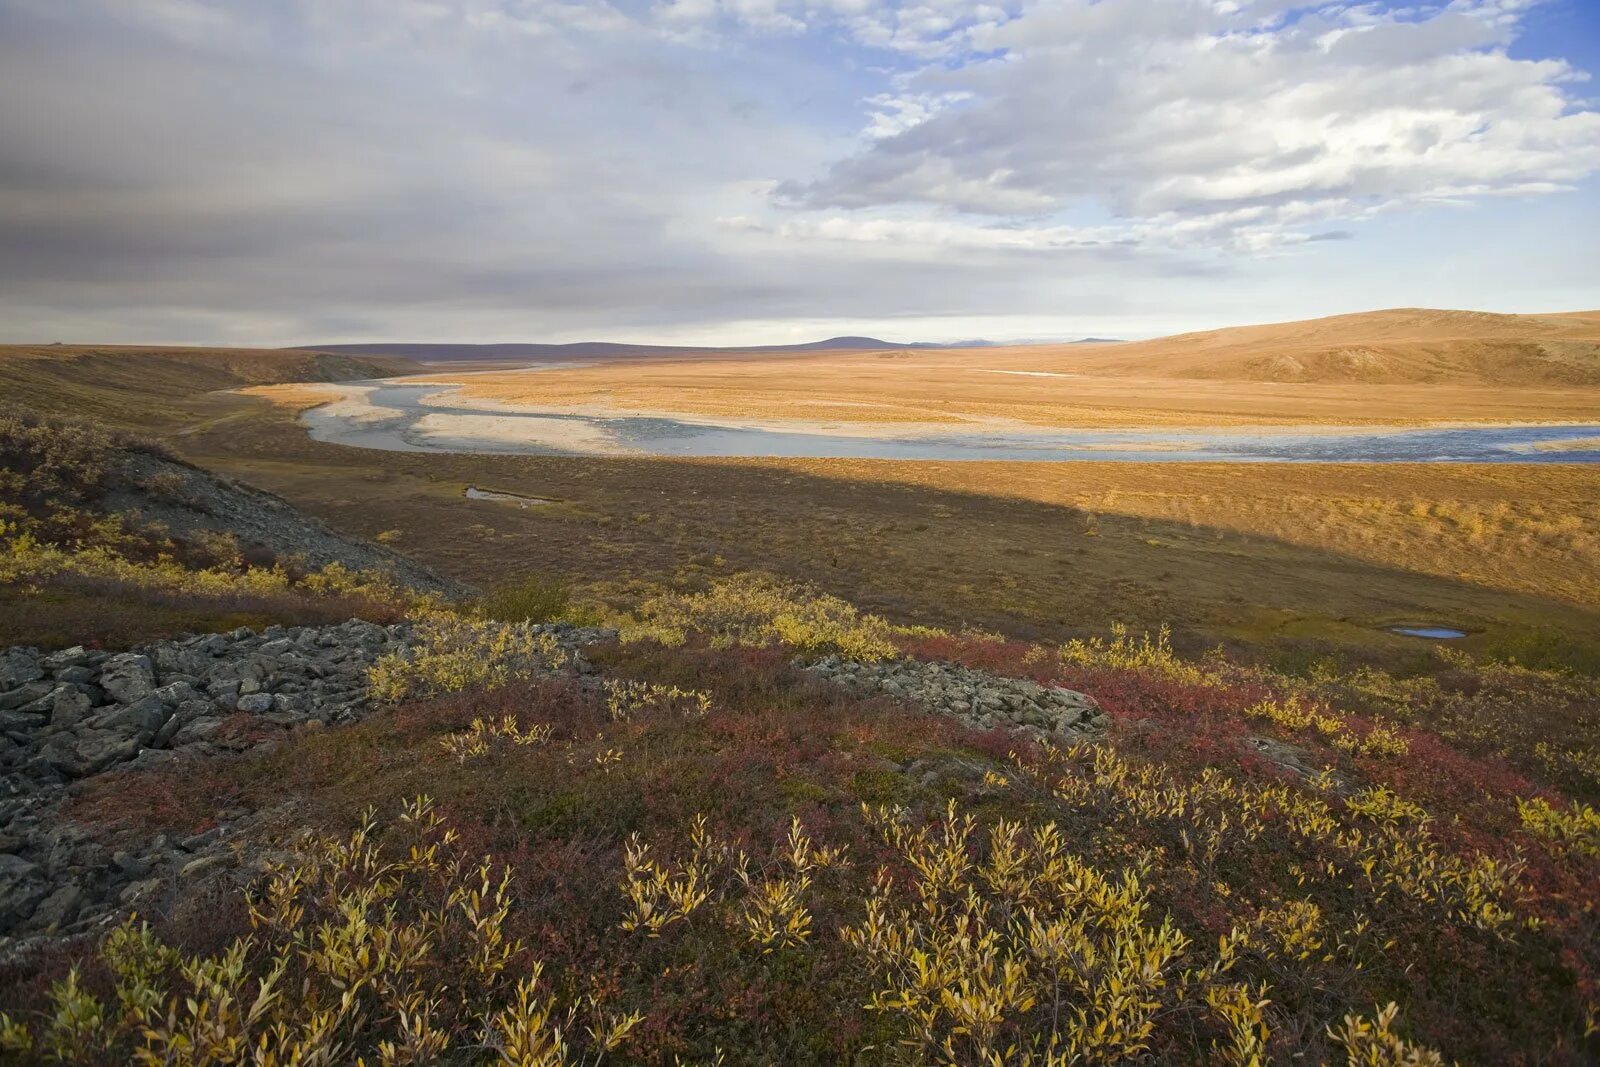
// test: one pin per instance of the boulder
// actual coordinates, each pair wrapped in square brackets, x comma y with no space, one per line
[128,677]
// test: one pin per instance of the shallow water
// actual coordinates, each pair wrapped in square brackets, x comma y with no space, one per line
[1434,633]
[474,493]
[430,418]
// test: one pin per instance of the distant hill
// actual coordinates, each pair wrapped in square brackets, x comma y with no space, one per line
[1416,345]
[541,353]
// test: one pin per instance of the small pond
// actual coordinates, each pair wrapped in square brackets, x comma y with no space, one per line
[1432,633]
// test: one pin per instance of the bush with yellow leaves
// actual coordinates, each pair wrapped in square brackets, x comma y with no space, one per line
[758,609]
[484,734]
[359,953]
[1126,652]
[1027,954]
[1294,712]
[452,653]
[626,698]
[1572,829]
[765,902]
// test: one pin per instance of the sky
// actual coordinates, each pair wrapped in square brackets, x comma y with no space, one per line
[278,172]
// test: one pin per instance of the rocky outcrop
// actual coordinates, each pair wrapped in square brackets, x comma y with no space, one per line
[68,715]
[977,698]
[193,500]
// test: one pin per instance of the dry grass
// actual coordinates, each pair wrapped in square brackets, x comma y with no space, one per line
[150,388]
[1383,367]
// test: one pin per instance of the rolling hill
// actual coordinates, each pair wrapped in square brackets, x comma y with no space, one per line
[1413,345]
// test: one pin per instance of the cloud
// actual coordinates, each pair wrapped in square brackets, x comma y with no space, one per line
[276,171]
[1250,117]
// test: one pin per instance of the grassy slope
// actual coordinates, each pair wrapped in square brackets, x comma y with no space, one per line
[955,543]
[146,388]
[1398,345]
[1255,554]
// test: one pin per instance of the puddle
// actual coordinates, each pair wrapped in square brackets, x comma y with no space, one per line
[1432,633]
[474,493]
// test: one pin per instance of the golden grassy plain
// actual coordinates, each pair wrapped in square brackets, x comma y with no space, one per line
[1407,366]
[1272,554]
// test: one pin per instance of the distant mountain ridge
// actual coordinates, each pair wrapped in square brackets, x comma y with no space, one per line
[538,353]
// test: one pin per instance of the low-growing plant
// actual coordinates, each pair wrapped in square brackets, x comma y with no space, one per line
[1574,828]
[757,609]
[626,698]
[484,734]
[359,953]
[452,653]
[534,598]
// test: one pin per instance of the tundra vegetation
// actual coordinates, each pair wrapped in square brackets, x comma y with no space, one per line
[697,851]
[713,856]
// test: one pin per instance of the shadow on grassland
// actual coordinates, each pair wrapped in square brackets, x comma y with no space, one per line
[952,544]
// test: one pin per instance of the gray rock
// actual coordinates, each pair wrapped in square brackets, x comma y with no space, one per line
[59,908]
[23,694]
[77,673]
[140,719]
[255,703]
[128,677]
[15,867]
[18,901]
[75,658]
[18,666]
[174,693]
[99,749]
[69,707]
[129,865]
[21,720]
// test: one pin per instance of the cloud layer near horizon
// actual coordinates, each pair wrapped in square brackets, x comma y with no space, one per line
[732,170]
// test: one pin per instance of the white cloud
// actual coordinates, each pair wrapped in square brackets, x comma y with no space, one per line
[1188,111]
[274,171]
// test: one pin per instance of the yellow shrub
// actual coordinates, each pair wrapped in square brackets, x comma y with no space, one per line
[344,965]
[970,949]
[1125,652]
[756,609]
[452,653]
[1374,1043]
[1575,829]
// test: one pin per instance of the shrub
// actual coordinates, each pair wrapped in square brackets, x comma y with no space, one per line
[1573,829]
[395,955]
[757,609]
[531,599]
[452,653]
[1126,652]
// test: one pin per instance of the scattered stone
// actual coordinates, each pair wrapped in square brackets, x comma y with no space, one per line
[977,698]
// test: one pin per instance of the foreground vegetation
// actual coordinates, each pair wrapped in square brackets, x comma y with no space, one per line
[714,858]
